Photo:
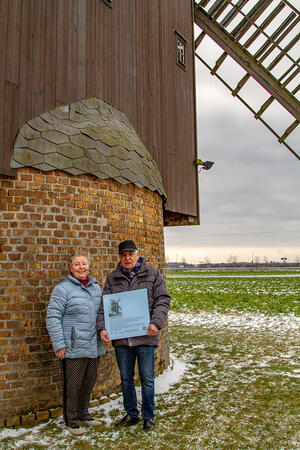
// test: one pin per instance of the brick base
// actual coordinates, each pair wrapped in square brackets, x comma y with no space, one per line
[44,216]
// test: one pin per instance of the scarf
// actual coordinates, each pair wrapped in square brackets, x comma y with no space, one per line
[84,282]
[130,273]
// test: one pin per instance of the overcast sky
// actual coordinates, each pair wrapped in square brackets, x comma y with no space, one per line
[249,199]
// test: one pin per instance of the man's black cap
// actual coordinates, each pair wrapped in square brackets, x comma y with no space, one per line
[127,246]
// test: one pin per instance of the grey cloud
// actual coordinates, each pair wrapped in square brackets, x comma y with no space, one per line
[250,197]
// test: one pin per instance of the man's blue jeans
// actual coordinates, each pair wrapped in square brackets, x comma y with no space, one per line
[126,357]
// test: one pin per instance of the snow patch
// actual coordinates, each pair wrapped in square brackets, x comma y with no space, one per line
[170,376]
[234,321]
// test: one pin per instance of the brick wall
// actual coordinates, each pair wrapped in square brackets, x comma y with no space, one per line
[43,217]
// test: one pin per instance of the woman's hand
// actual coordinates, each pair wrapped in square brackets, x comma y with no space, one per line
[61,353]
[104,336]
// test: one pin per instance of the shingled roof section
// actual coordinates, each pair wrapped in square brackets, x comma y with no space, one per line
[89,136]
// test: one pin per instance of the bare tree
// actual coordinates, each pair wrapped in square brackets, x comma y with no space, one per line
[232,259]
[207,260]
[256,259]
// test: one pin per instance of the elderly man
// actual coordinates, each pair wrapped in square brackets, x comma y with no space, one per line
[132,272]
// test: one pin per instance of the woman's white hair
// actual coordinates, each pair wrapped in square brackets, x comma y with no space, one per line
[79,252]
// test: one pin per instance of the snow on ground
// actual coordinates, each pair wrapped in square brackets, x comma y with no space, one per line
[192,371]
[171,375]
[13,433]
[163,382]
[236,320]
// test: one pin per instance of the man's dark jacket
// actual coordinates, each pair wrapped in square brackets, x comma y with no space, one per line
[158,298]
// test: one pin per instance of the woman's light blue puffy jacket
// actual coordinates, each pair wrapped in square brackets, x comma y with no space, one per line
[71,318]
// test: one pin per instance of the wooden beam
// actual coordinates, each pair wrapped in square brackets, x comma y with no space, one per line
[248,62]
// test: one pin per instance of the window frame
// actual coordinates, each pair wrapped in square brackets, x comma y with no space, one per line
[108,3]
[180,40]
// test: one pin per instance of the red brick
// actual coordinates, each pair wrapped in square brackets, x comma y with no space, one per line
[4,316]
[56,412]
[12,358]
[11,376]
[42,416]
[15,256]
[39,178]
[13,421]
[28,420]
[26,177]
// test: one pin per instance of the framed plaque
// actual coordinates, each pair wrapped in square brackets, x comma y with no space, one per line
[126,314]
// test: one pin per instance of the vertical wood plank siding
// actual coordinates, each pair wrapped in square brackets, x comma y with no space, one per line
[12,68]
[55,52]
[40,48]
[61,53]
[26,63]
[3,40]
[50,54]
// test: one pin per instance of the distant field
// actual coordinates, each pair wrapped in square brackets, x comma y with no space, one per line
[272,295]
[232,272]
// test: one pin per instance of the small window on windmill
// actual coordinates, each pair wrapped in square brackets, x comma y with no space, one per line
[181,49]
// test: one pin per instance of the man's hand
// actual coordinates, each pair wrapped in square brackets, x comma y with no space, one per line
[61,353]
[152,330]
[104,336]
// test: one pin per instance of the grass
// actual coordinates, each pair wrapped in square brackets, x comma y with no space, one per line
[256,295]
[238,389]
[236,392]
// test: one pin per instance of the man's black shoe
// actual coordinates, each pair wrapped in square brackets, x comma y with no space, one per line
[148,424]
[127,421]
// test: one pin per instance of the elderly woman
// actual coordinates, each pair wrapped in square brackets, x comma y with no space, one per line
[71,323]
